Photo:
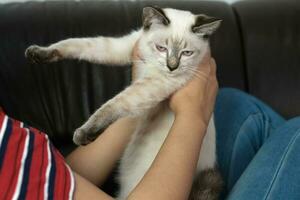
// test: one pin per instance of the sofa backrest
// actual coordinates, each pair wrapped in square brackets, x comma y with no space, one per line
[59,97]
[257,49]
[270,32]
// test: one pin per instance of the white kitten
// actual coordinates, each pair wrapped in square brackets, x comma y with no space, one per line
[171,44]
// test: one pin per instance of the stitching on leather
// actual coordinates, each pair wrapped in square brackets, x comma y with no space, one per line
[241,33]
[288,148]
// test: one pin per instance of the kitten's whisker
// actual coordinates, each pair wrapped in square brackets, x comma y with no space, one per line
[197,75]
[197,71]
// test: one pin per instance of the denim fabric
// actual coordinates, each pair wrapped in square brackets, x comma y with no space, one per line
[258,151]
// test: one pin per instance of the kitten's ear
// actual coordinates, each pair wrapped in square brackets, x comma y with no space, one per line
[154,15]
[206,25]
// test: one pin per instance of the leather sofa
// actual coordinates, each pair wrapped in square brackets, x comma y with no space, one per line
[257,50]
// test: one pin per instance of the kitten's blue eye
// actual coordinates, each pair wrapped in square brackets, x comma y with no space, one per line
[187,53]
[161,48]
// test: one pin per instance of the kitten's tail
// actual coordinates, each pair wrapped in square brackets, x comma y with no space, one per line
[207,185]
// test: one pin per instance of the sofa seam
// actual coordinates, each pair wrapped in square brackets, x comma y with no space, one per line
[237,18]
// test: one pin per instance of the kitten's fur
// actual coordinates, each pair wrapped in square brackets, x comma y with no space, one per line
[163,68]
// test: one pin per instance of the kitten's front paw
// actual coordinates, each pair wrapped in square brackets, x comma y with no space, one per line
[37,54]
[83,137]
[80,137]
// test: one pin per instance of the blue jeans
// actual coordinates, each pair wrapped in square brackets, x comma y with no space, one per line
[258,150]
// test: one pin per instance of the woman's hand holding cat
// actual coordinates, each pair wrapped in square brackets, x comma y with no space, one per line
[193,105]
[197,98]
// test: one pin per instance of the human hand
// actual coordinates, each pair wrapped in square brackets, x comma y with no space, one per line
[197,97]
[136,57]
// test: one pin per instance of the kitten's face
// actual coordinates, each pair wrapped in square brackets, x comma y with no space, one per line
[174,54]
[172,43]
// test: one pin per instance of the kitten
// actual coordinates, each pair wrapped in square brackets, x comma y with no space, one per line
[171,44]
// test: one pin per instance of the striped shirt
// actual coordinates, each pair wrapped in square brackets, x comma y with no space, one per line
[30,166]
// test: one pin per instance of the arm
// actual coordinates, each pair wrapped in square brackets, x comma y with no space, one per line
[171,174]
[108,50]
[100,156]
[96,160]
[84,190]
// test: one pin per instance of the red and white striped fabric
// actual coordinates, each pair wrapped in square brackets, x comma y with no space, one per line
[30,167]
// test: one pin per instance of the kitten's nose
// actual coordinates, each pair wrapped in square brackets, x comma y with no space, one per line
[172,63]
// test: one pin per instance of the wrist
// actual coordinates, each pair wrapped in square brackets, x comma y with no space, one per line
[193,125]
[189,113]
[193,117]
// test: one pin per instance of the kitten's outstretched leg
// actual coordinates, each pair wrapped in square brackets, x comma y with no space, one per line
[142,95]
[97,50]
[207,185]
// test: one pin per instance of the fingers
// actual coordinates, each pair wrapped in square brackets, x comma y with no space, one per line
[212,74]
[208,89]
[135,57]
[213,67]
[207,56]
[206,82]
[204,65]
[212,84]
[135,52]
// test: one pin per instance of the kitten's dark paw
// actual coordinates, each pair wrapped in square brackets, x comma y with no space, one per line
[81,137]
[37,54]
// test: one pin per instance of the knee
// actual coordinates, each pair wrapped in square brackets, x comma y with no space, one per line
[231,97]
[234,103]
[230,92]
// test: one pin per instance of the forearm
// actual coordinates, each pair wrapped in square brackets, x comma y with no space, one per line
[171,174]
[86,190]
[96,160]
